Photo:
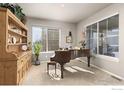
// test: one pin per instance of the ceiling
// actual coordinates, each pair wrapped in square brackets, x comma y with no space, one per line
[69,12]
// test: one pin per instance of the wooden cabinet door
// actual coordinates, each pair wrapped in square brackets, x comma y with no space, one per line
[1,73]
[29,61]
[10,73]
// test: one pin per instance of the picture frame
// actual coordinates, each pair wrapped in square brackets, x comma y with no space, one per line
[68,39]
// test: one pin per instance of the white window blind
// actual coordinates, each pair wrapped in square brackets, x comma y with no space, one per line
[48,37]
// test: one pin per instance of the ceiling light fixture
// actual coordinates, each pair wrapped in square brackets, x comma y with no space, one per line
[62,5]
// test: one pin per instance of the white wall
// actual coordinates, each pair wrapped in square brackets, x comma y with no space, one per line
[109,65]
[65,28]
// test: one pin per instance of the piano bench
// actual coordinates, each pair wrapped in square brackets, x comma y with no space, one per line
[51,63]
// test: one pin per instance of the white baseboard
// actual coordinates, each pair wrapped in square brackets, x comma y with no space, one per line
[110,73]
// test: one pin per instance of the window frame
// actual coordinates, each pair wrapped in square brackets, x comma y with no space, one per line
[97,55]
[48,40]
[91,38]
[59,29]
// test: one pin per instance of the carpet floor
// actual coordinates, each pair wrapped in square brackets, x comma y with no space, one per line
[37,75]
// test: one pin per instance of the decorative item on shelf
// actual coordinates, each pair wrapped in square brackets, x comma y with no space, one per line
[19,31]
[9,39]
[69,38]
[10,26]
[17,40]
[24,33]
[24,47]
[20,40]
[14,28]
[77,48]
[13,40]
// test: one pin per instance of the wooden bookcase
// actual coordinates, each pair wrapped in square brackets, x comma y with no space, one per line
[14,62]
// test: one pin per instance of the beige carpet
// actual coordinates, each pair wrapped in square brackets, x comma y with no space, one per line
[83,75]
[53,75]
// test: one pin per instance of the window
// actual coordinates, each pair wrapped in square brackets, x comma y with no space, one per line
[48,37]
[53,39]
[113,36]
[39,35]
[102,37]
[92,38]
[108,35]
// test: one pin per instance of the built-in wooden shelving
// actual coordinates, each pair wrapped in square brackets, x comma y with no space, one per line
[14,62]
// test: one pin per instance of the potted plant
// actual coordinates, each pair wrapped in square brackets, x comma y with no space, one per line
[37,49]
[19,13]
[11,7]
[16,10]
[83,43]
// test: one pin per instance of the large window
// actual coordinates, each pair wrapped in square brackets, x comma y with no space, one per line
[102,37]
[108,35]
[53,39]
[92,37]
[48,37]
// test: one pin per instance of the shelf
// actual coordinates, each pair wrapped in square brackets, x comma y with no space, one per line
[17,44]
[16,33]
[14,18]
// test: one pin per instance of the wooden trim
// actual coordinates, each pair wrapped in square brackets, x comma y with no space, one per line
[11,31]
[3,9]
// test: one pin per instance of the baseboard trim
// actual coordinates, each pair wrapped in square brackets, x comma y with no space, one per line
[110,73]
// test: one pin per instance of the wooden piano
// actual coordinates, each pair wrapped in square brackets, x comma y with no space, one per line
[64,56]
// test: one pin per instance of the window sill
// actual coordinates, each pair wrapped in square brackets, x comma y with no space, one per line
[47,52]
[107,58]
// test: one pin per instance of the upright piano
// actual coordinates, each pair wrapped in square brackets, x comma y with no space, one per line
[64,56]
